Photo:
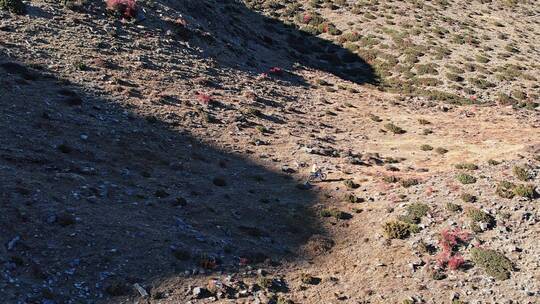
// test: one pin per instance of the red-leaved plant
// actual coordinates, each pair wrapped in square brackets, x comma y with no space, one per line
[276,71]
[448,257]
[124,8]
[455,261]
[204,98]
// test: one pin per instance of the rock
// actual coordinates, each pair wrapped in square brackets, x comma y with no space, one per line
[141,290]
[288,169]
[12,243]
[201,293]
[220,289]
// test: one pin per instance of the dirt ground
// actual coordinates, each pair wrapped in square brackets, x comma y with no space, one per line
[165,160]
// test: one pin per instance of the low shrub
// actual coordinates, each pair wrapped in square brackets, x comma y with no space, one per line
[122,8]
[414,214]
[494,263]
[478,217]
[526,191]
[505,189]
[466,178]
[521,173]
[398,229]
[466,166]
[394,129]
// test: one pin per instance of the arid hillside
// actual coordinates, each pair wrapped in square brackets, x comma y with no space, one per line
[163,152]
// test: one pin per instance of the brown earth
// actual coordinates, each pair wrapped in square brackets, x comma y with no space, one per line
[155,157]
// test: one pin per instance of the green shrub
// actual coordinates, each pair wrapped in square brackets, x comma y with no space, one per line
[398,229]
[505,189]
[478,216]
[468,198]
[482,59]
[493,162]
[335,213]
[521,173]
[426,148]
[374,117]
[423,121]
[309,279]
[441,150]
[466,178]
[350,184]
[414,214]
[526,191]
[453,207]
[351,198]
[454,77]
[494,263]
[466,166]
[406,183]
[394,129]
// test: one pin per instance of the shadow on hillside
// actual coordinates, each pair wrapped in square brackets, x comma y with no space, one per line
[255,43]
[237,37]
[95,198]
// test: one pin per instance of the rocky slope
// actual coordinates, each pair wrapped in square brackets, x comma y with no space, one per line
[164,158]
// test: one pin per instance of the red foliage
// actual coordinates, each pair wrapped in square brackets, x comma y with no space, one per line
[275,71]
[243,262]
[204,98]
[442,258]
[325,28]
[449,239]
[126,8]
[307,18]
[455,261]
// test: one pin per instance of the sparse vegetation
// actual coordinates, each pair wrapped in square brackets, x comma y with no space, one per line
[478,218]
[426,148]
[441,150]
[466,178]
[468,198]
[505,189]
[374,117]
[398,229]
[526,191]
[122,8]
[453,207]
[414,213]
[350,184]
[494,263]
[406,183]
[169,129]
[521,173]
[335,213]
[394,129]
[466,166]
